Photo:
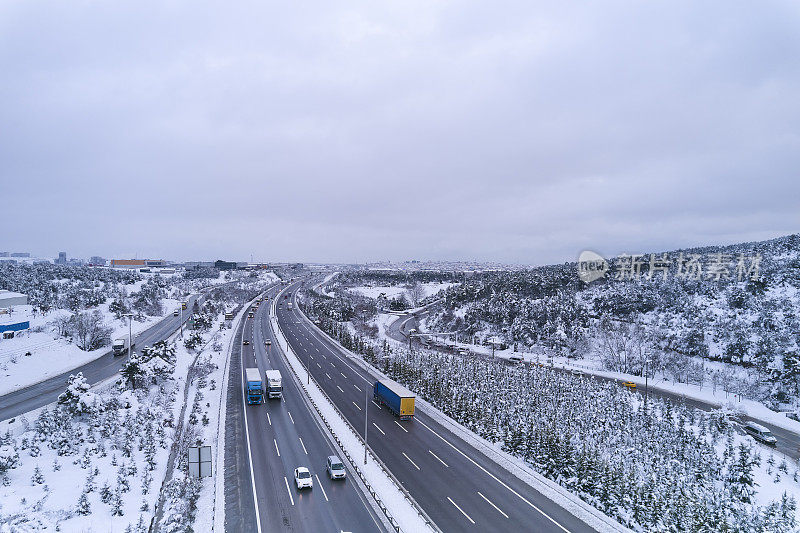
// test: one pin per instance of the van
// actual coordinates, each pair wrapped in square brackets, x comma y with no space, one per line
[760,433]
[515,358]
[335,468]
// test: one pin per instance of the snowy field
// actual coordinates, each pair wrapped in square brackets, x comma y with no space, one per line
[106,467]
[50,354]
[429,289]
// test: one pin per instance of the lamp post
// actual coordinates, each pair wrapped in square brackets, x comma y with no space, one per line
[646,373]
[130,333]
[366,426]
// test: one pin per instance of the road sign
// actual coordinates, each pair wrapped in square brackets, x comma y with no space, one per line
[200,461]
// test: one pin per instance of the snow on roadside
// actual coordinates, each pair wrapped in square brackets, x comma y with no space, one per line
[399,508]
[52,355]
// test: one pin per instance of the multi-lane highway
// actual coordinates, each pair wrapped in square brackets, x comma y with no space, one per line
[45,392]
[282,435]
[459,488]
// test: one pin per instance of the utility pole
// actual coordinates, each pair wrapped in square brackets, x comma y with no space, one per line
[646,375]
[130,333]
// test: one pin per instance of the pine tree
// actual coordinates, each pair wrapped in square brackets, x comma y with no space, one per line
[37,478]
[83,507]
[116,504]
[105,493]
[740,475]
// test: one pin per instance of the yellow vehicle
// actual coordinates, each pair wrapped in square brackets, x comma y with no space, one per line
[183,305]
[629,384]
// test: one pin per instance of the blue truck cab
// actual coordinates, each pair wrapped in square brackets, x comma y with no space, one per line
[255,386]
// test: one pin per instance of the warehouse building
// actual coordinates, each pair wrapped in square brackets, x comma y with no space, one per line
[11,299]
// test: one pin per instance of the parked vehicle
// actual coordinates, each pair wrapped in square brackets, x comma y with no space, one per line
[335,468]
[228,316]
[274,384]
[397,398]
[515,358]
[255,386]
[760,433]
[302,478]
[121,346]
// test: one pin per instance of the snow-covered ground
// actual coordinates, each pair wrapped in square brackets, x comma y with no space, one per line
[429,289]
[50,354]
[124,445]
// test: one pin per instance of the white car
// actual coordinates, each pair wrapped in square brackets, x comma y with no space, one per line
[302,478]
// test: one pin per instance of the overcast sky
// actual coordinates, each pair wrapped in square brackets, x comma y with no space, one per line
[519,132]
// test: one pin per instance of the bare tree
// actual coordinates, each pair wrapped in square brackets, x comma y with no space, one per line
[416,293]
[89,330]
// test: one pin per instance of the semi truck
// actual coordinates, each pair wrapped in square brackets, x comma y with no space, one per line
[398,399]
[255,386]
[121,346]
[274,386]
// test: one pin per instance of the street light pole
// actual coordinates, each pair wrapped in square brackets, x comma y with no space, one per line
[646,375]
[130,333]
[366,406]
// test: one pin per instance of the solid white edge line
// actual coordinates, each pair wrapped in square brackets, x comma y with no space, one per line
[517,494]
[460,509]
[249,449]
[492,504]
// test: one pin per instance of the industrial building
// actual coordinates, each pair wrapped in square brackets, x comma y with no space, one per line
[11,299]
[137,263]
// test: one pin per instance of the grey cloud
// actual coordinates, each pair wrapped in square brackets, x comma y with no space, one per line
[517,131]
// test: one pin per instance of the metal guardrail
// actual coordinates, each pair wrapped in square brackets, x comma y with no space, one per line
[410,499]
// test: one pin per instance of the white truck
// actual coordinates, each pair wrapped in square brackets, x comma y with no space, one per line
[120,346]
[274,387]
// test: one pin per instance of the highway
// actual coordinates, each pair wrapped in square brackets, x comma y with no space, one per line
[282,435]
[24,400]
[459,488]
[788,441]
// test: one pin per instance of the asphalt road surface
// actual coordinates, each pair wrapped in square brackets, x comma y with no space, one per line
[284,434]
[19,402]
[459,488]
